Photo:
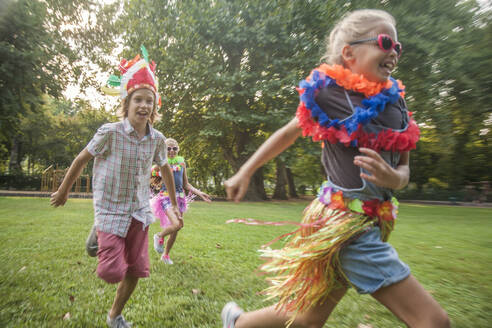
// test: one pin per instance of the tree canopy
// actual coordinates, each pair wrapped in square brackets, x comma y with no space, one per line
[228,70]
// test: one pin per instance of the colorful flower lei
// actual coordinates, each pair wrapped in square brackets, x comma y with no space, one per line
[374,208]
[349,131]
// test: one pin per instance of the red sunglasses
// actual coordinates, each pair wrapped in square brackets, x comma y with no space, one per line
[385,43]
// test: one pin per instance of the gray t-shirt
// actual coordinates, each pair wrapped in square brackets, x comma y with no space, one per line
[337,159]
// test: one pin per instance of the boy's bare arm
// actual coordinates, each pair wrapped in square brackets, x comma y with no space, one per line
[60,197]
[168,178]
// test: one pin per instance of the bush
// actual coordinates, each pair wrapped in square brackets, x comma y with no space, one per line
[20,182]
[456,194]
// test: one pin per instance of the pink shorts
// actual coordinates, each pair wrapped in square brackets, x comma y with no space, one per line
[120,256]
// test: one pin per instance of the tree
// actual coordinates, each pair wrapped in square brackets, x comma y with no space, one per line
[228,69]
[446,70]
[41,46]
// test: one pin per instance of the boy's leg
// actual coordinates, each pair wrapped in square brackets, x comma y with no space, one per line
[137,259]
[123,293]
[412,304]
[269,317]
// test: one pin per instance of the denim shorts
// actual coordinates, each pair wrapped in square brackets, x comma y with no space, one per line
[370,263]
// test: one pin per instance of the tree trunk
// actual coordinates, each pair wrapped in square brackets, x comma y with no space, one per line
[256,190]
[15,154]
[281,184]
[292,186]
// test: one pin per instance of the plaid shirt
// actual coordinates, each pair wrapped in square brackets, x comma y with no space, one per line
[121,174]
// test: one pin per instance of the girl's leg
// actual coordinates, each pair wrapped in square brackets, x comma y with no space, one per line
[313,318]
[412,304]
[170,242]
[175,225]
[172,237]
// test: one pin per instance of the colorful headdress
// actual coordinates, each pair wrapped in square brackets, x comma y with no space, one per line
[135,74]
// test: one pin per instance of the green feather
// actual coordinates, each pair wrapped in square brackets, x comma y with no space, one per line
[145,53]
[114,81]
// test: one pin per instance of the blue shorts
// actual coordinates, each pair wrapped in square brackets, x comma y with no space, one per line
[370,263]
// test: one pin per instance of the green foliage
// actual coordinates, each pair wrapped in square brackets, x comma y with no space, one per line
[228,69]
[43,46]
[57,132]
[445,66]
[46,274]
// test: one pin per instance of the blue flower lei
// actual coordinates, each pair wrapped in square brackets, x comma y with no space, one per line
[373,105]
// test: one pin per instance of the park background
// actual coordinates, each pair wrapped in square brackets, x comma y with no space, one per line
[227,73]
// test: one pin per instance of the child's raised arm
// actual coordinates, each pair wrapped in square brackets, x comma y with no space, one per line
[59,198]
[237,186]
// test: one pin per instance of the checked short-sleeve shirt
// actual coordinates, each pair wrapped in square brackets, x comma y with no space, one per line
[121,174]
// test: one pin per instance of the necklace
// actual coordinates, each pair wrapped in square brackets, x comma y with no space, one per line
[176,160]
[349,131]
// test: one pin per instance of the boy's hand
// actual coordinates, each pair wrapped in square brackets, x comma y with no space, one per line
[58,198]
[174,211]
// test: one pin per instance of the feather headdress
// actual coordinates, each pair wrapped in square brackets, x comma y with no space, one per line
[136,74]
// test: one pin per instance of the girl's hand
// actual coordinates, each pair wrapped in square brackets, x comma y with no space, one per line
[58,198]
[236,187]
[381,173]
[203,196]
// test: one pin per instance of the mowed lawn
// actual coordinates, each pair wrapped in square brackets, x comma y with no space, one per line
[47,280]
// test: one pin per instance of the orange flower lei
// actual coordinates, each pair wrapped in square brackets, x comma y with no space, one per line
[351,81]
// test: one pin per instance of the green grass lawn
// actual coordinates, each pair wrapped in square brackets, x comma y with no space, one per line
[45,274]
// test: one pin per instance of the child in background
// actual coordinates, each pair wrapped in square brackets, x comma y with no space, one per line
[124,153]
[160,202]
[356,109]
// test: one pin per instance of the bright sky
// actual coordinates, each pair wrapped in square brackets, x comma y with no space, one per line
[94,95]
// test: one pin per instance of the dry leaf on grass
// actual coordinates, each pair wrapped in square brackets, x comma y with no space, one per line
[363,325]
[66,316]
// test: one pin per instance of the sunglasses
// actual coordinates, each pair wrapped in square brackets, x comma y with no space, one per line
[172,148]
[385,43]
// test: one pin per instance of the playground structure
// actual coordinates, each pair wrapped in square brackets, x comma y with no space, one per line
[52,178]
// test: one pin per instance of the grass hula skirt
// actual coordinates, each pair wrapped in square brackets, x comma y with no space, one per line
[305,271]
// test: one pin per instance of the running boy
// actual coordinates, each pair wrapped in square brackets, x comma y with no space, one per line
[124,153]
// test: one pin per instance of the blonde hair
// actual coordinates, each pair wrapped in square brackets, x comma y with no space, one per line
[171,141]
[352,26]
[123,110]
